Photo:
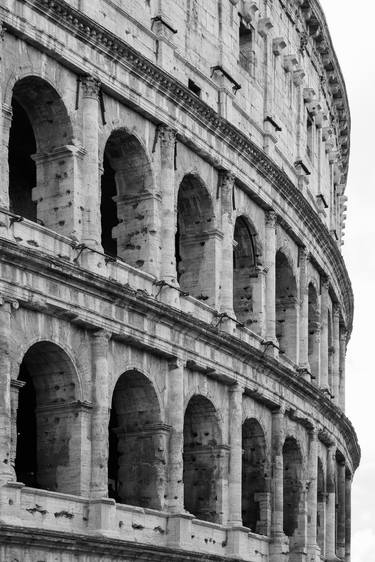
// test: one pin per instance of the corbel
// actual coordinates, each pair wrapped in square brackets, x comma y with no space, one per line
[298,76]
[314,107]
[278,45]
[332,156]
[308,95]
[249,10]
[289,62]
[264,26]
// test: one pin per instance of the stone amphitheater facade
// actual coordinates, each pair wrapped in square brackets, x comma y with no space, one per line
[175,308]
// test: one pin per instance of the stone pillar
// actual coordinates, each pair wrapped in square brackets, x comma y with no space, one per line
[324,333]
[175,409]
[15,387]
[343,342]
[304,366]
[227,218]
[5,125]
[341,516]
[312,499]
[7,473]
[235,458]
[100,415]
[91,223]
[278,546]
[270,265]
[331,506]
[348,516]
[167,137]
[336,355]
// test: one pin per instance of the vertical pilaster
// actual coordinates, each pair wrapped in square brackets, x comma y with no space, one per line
[175,491]
[227,218]
[6,123]
[312,499]
[91,223]
[348,516]
[270,265]
[341,518]
[343,343]
[331,506]
[168,273]
[100,415]
[278,546]
[7,473]
[235,458]
[304,315]
[324,333]
[336,354]
[15,387]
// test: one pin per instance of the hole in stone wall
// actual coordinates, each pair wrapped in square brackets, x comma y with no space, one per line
[22,170]
[292,462]
[254,477]
[201,459]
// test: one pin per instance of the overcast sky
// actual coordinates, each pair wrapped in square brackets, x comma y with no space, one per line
[353,35]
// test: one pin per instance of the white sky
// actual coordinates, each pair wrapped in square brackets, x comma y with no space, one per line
[353,35]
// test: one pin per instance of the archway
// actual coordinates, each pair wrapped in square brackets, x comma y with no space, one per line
[314,331]
[254,477]
[321,508]
[48,454]
[137,443]
[193,240]
[203,460]
[244,272]
[292,485]
[40,154]
[127,201]
[286,307]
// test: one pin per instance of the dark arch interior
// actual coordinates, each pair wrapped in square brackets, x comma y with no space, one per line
[254,475]
[292,462]
[194,219]
[320,506]
[244,264]
[137,446]
[313,327]
[286,295]
[108,208]
[201,459]
[43,438]
[22,170]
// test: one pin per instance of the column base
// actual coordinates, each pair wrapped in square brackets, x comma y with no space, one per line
[313,553]
[102,515]
[238,541]
[279,548]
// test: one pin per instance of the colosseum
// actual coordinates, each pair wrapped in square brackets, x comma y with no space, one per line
[175,308]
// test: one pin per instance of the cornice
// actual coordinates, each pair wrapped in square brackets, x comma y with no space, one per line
[61,271]
[78,24]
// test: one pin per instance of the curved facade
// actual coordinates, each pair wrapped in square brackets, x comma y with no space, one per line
[175,308]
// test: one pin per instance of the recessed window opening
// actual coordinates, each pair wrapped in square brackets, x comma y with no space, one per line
[246,54]
[292,485]
[194,88]
[309,136]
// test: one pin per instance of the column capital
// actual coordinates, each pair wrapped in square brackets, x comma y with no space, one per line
[227,179]
[237,388]
[336,309]
[325,281]
[175,363]
[303,255]
[167,135]
[271,218]
[90,87]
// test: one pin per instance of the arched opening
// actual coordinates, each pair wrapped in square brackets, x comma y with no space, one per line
[137,443]
[286,307]
[292,485]
[331,351]
[255,477]
[203,460]
[46,453]
[321,508]
[244,272]
[194,222]
[40,154]
[314,331]
[127,201]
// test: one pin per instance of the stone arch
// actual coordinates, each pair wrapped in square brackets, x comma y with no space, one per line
[255,477]
[286,306]
[48,417]
[204,460]
[137,443]
[40,154]
[292,485]
[127,200]
[245,260]
[321,506]
[313,330]
[194,238]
